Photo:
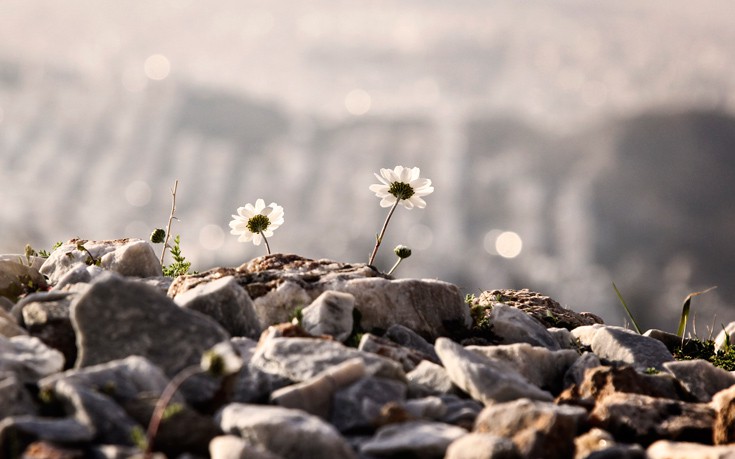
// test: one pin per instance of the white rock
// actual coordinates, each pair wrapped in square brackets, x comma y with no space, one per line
[330,314]
[515,326]
[413,439]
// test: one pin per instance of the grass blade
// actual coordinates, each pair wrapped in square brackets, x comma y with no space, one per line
[685,311]
[625,306]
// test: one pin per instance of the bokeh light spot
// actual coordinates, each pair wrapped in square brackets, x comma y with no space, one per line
[508,244]
[138,193]
[358,102]
[211,237]
[157,67]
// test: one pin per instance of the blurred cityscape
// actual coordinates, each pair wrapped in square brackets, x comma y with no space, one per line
[571,144]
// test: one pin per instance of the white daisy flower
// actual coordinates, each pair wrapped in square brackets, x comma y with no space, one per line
[256,222]
[402,184]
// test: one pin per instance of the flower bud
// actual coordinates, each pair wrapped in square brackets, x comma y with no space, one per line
[158,235]
[402,251]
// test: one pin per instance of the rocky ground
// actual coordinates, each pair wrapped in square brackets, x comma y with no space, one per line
[333,360]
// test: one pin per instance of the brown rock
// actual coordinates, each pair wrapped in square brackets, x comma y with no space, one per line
[540,307]
[724,405]
[636,418]
[45,450]
[602,381]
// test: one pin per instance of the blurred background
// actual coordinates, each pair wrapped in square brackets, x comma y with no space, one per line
[571,143]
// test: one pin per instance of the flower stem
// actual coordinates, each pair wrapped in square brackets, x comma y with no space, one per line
[170,218]
[398,262]
[163,402]
[379,239]
[267,246]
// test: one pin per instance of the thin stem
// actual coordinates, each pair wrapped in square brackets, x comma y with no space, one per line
[163,402]
[379,239]
[398,262]
[170,218]
[267,246]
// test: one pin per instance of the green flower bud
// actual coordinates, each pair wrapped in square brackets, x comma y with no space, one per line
[158,235]
[402,251]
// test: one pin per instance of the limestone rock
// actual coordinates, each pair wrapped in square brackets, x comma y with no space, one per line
[330,314]
[430,378]
[477,445]
[724,405]
[225,301]
[25,429]
[283,431]
[664,449]
[9,326]
[127,257]
[623,345]
[15,399]
[408,358]
[602,381]
[512,325]
[539,365]
[46,316]
[538,429]
[635,418]
[117,317]
[17,279]
[410,339]
[233,447]
[28,358]
[315,395]
[359,405]
[540,307]
[413,439]
[299,359]
[700,377]
[279,284]
[485,380]
[599,444]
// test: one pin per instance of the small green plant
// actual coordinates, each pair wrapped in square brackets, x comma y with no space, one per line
[685,311]
[179,266]
[625,306]
[90,260]
[297,315]
[400,185]
[705,349]
[651,371]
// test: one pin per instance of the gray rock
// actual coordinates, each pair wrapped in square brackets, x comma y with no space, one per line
[485,380]
[539,365]
[408,358]
[30,428]
[664,449]
[128,257]
[50,322]
[78,273]
[6,304]
[482,446]
[412,340]
[512,325]
[225,301]
[538,429]
[299,359]
[14,397]
[575,373]
[9,326]
[599,444]
[284,432]
[700,377]
[358,406]
[330,314]
[623,345]
[413,439]
[29,358]
[670,340]
[232,447]
[429,408]
[17,279]
[460,411]
[117,317]
[315,395]
[429,378]
[563,337]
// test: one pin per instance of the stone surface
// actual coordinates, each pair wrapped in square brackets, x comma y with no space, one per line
[538,429]
[315,394]
[485,380]
[117,317]
[127,257]
[539,365]
[664,449]
[47,317]
[225,301]
[623,345]
[725,337]
[358,406]
[281,283]
[410,339]
[700,378]
[540,307]
[599,444]
[511,325]
[15,399]
[408,358]
[232,447]
[635,418]
[723,403]
[482,446]
[299,359]
[284,432]
[430,378]
[330,314]
[17,279]
[9,326]
[20,431]
[602,381]
[412,439]
[28,358]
